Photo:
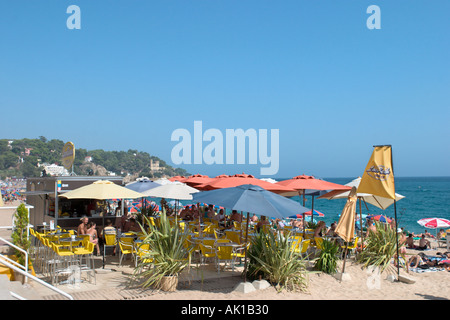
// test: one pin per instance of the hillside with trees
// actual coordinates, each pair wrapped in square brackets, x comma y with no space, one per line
[25,158]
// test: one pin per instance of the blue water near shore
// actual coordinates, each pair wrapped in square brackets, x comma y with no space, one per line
[425,197]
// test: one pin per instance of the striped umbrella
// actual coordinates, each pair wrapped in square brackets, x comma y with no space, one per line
[380,218]
[434,223]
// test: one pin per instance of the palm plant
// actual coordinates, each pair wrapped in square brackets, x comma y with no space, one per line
[381,247]
[272,258]
[166,257]
[328,257]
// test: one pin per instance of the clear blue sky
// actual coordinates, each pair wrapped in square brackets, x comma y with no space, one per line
[138,70]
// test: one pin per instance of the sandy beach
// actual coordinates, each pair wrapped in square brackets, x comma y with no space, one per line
[204,283]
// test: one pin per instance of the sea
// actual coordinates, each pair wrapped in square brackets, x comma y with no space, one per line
[424,197]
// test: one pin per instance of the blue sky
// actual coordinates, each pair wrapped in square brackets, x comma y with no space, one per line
[138,70]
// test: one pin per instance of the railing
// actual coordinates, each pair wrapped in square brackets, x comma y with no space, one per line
[26,274]
[14,262]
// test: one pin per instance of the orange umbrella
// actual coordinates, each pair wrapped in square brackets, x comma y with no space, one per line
[304,182]
[240,179]
[177,178]
[196,179]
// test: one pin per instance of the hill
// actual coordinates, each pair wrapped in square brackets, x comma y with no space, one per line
[26,157]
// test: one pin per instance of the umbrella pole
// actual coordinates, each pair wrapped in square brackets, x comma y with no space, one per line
[396,239]
[245,249]
[360,224]
[345,258]
[303,214]
[312,209]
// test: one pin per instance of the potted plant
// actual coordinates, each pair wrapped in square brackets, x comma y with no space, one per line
[271,258]
[20,234]
[166,257]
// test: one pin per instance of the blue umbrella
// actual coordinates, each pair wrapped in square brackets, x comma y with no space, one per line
[142,185]
[251,198]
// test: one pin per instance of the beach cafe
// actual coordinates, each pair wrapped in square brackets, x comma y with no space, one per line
[44,194]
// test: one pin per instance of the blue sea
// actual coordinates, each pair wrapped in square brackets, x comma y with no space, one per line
[425,197]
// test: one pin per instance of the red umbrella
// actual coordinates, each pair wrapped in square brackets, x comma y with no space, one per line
[434,223]
[196,179]
[240,179]
[177,178]
[381,218]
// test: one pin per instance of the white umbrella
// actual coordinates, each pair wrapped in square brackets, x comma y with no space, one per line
[163,181]
[377,201]
[176,190]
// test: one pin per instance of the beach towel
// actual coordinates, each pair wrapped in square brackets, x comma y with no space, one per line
[430,269]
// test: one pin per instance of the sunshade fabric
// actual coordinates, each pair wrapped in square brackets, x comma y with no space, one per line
[102,190]
[175,190]
[253,199]
[346,224]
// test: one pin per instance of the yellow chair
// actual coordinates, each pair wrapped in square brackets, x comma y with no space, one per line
[126,247]
[207,250]
[352,247]
[86,251]
[239,252]
[233,236]
[318,243]
[143,253]
[61,265]
[224,254]
[110,242]
[304,248]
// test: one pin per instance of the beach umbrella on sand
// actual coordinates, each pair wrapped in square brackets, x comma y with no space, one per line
[175,190]
[142,185]
[304,182]
[346,225]
[377,201]
[251,198]
[380,218]
[243,179]
[434,223]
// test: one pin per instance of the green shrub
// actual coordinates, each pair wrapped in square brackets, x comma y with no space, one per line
[20,233]
[328,257]
[272,258]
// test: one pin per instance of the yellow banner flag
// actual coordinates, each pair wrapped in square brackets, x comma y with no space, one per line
[378,177]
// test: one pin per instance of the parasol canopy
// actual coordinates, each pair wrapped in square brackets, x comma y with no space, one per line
[346,225]
[102,190]
[251,198]
[434,223]
[242,179]
[175,190]
[142,185]
[375,200]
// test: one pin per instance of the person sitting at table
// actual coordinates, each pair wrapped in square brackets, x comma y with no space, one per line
[82,228]
[93,237]
[133,225]
[211,213]
[254,218]
[109,229]
[195,212]
[370,227]
[318,231]
[220,217]
[332,230]
[261,223]
[236,216]
[297,223]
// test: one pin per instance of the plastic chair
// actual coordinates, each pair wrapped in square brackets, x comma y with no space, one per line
[318,243]
[304,248]
[110,242]
[207,250]
[351,248]
[239,252]
[86,251]
[224,254]
[142,253]
[233,236]
[126,247]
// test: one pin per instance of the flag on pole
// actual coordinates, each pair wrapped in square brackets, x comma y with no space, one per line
[378,177]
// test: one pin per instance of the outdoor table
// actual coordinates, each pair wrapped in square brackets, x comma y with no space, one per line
[72,240]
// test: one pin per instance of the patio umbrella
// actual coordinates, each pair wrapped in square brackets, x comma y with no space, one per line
[346,225]
[251,198]
[177,178]
[196,179]
[434,223]
[380,218]
[142,185]
[176,190]
[163,181]
[307,213]
[304,182]
[375,200]
[243,179]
